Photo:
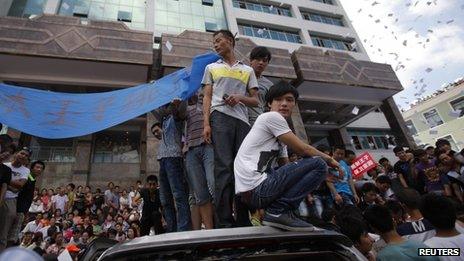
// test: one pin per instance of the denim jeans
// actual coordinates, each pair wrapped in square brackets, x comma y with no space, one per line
[173,188]
[322,202]
[199,163]
[284,188]
[227,136]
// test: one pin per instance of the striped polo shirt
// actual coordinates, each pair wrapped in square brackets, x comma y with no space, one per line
[194,128]
[225,79]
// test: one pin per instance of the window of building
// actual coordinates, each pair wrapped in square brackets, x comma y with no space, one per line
[207,2]
[210,27]
[125,16]
[320,18]
[270,33]
[114,146]
[371,139]
[26,8]
[412,129]
[261,7]
[61,150]
[333,43]
[453,144]
[458,104]
[432,118]
[81,10]
[329,2]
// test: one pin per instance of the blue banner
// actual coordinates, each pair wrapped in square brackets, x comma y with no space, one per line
[54,115]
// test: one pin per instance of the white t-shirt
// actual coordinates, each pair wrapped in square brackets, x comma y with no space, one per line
[16,174]
[448,242]
[60,202]
[259,151]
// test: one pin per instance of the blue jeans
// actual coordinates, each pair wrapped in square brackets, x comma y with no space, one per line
[227,135]
[284,188]
[199,162]
[173,188]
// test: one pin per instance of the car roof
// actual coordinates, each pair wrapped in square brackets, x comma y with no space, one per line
[225,235]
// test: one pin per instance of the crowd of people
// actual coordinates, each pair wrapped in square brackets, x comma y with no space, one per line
[229,159]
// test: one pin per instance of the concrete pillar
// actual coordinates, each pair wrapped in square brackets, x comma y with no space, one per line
[5,7]
[341,137]
[51,7]
[81,167]
[298,125]
[397,124]
[151,165]
[150,15]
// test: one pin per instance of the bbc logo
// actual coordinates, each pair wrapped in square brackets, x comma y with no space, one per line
[439,251]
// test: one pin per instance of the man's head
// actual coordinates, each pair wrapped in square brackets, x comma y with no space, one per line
[430,151]
[439,211]
[421,155]
[350,156]
[110,185]
[409,198]
[383,183]
[259,59]
[339,152]
[38,218]
[282,98]
[152,182]
[400,153]
[443,145]
[369,192]
[61,191]
[379,218]
[21,157]
[224,42]
[323,148]
[384,162]
[37,167]
[7,148]
[356,230]
[70,187]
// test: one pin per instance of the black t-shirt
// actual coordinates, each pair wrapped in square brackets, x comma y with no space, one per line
[150,204]
[404,168]
[5,174]
[25,197]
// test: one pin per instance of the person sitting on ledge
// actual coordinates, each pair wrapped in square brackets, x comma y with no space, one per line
[279,191]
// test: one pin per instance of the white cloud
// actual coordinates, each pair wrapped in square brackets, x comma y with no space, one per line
[436,7]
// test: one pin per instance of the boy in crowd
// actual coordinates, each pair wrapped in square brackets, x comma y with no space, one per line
[381,221]
[416,227]
[279,191]
[383,183]
[370,196]
[168,127]
[440,211]
[229,87]
[342,189]
[151,215]
[19,174]
[356,230]
[404,167]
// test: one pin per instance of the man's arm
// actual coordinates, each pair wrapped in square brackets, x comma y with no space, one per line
[250,101]
[17,184]
[353,190]
[208,93]
[402,180]
[338,199]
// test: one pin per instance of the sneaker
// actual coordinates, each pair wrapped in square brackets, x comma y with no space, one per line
[286,221]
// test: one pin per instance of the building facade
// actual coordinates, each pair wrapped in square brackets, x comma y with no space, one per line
[103,45]
[440,117]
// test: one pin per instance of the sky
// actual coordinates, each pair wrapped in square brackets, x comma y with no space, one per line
[423,40]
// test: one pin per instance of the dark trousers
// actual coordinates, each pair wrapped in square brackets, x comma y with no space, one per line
[227,136]
[151,220]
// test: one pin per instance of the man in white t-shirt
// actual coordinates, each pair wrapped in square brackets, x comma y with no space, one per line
[279,191]
[440,211]
[19,174]
[60,201]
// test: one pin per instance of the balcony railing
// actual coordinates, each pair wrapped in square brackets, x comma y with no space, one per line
[53,154]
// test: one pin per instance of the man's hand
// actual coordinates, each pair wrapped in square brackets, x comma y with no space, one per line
[334,164]
[233,99]
[356,199]
[338,199]
[207,134]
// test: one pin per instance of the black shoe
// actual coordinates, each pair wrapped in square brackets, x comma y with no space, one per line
[287,221]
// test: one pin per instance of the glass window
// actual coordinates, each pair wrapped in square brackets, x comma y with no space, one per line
[412,129]
[458,104]
[125,16]
[356,143]
[432,118]
[364,142]
[331,43]
[26,8]
[210,27]
[117,147]
[207,2]
[61,150]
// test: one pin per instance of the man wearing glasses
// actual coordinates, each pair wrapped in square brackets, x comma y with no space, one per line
[19,174]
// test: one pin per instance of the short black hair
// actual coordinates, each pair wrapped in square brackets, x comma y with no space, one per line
[260,52]
[395,207]
[398,149]
[279,89]
[353,228]
[419,153]
[72,186]
[380,218]
[430,148]
[410,198]
[339,147]
[349,153]
[439,211]
[441,142]
[37,162]
[226,33]
[152,178]
[383,179]
[382,160]
[369,187]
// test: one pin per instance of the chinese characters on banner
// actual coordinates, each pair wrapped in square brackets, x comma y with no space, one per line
[362,164]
